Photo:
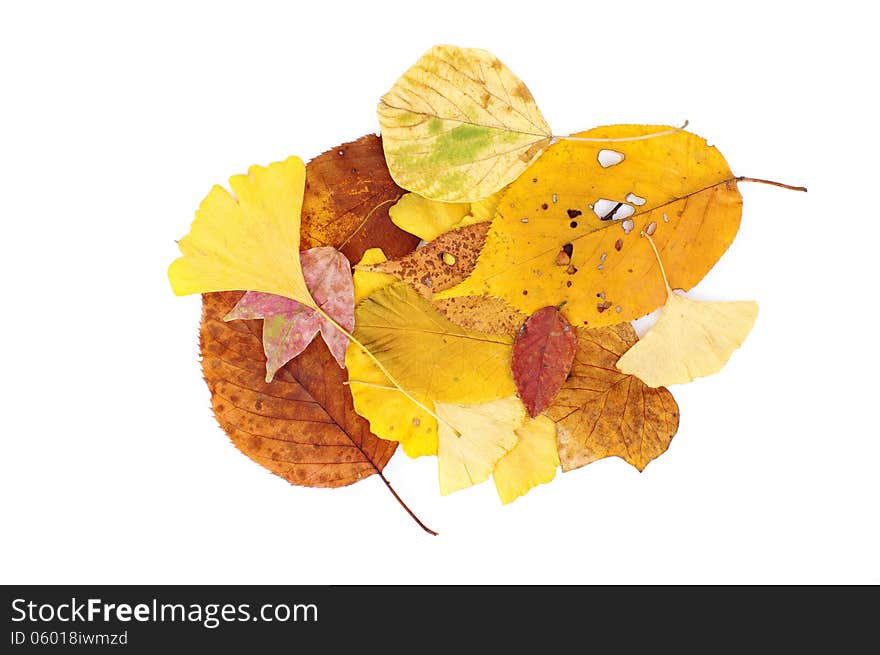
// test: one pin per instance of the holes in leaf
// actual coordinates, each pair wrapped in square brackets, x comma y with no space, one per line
[627,225]
[636,200]
[609,158]
[608,210]
[652,227]
[563,257]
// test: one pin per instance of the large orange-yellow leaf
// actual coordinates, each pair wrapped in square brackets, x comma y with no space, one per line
[601,412]
[433,359]
[459,125]
[559,234]
[247,240]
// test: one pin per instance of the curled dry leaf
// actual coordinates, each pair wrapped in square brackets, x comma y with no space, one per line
[569,229]
[302,426]
[290,326]
[542,355]
[601,412]
[458,126]
[440,264]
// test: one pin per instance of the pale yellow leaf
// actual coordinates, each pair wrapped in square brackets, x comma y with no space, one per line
[690,339]
[487,432]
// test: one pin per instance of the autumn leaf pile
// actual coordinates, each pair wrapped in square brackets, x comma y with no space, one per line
[472,277]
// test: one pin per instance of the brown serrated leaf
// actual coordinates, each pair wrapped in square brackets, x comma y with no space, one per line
[441,263]
[302,426]
[347,196]
[601,412]
[542,355]
[484,314]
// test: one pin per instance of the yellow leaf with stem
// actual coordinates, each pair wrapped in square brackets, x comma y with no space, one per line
[433,359]
[690,339]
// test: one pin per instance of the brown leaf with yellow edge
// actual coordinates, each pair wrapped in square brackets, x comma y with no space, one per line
[459,125]
[433,359]
[691,338]
[302,426]
[441,263]
[601,412]
[562,232]
[348,193]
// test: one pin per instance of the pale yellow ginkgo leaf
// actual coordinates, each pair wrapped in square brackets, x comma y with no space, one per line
[487,432]
[247,240]
[459,125]
[427,219]
[690,339]
[532,461]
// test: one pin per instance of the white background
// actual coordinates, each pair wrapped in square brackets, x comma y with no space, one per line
[117,119]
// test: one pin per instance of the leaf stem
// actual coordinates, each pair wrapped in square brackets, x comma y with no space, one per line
[405,506]
[384,370]
[659,261]
[621,139]
[743,178]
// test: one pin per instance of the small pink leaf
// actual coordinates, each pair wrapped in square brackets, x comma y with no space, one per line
[290,326]
[542,355]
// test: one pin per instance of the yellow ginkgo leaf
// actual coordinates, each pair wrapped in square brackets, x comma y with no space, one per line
[367,282]
[690,339]
[486,433]
[432,358]
[459,125]
[532,461]
[568,231]
[247,240]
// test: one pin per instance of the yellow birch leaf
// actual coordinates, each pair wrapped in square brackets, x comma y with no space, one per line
[433,359]
[487,432]
[427,219]
[459,125]
[247,240]
[532,461]
[690,339]
[548,242]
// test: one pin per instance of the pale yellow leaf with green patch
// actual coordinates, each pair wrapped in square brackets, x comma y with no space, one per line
[532,461]
[459,125]
[432,358]
[247,240]
[486,433]
[690,339]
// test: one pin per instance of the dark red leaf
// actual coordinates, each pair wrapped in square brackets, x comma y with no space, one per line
[542,355]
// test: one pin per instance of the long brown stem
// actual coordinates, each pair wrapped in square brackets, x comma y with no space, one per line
[406,507]
[743,178]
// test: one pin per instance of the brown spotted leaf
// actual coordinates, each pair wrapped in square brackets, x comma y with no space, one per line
[302,426]
[542,355]
[441,263]
[347,196]
[601,412]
